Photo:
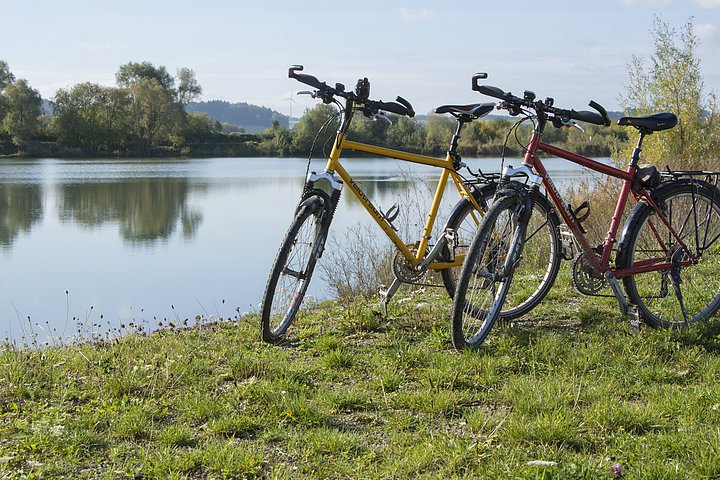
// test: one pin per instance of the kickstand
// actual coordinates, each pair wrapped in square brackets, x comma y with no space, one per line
[387,295]
[634,317]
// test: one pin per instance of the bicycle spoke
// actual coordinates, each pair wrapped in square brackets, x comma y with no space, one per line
[689,290]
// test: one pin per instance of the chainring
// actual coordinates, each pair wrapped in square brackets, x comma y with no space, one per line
[403,270]
[584,278]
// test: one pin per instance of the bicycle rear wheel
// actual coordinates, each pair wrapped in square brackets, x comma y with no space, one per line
[487,273]
[541,261]
[688,292]
[293,268]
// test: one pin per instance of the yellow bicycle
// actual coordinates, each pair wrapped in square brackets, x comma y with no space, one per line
[305,239]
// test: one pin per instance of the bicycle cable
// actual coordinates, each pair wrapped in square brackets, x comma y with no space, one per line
[317,135]
[514,129]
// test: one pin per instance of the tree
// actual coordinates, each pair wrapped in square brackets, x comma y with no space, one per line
[438,132]
[23,109]
[6,77]
[157,106]
[309,125]
[92,117]
[154,112]
[188,87]
[132,72]
[672,83]
[407,134]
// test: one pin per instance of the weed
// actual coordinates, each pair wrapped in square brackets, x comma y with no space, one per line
[567,394]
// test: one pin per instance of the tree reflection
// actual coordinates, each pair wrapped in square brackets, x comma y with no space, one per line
[20,208]
[147,210]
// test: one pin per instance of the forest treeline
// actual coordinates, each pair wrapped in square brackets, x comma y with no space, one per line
[146,114]
[238,117]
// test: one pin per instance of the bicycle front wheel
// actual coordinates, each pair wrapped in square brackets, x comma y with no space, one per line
[486,274]
[293,268]
[541,261]
[689,291]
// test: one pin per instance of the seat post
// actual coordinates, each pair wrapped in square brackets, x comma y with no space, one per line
[452,151]
[638,148]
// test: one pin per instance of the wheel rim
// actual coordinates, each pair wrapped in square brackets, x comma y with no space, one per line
[293,279]
[534,271]
[484,294]
[699,284]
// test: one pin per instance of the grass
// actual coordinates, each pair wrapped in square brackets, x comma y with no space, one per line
[356,396]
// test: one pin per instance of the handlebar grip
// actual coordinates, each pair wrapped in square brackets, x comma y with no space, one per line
[306,79]
[589,117]
[392,107]
[603,112]
[491,91]
[406,104]
[476,77]
[310,80]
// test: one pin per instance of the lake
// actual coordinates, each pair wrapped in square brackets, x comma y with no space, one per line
[90,246]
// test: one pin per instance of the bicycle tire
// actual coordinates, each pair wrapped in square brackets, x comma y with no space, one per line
[693,209]
[487,273]
[539,274]
[293,267]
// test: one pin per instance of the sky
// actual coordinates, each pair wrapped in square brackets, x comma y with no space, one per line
[425,51]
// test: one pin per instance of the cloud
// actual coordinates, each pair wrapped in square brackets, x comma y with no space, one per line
[415,16]
[653,3]
[707,33]
[659,3]
[707,3]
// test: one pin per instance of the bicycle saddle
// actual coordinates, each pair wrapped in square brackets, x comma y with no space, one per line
[476,110]
[653,123]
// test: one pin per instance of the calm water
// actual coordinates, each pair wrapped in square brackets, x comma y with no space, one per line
[114,242]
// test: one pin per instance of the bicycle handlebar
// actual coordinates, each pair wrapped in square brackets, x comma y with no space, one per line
[304,78]
[326,92]
[513,104]
[406,104]
[589,117]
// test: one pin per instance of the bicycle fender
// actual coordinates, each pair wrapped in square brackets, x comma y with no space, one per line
[308,194]
[328,203]
[512,188]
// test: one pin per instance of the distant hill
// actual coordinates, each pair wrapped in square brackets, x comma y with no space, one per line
[252,118]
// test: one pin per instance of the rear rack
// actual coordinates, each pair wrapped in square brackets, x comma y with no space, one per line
[482,177]
[688,173]
[708,176]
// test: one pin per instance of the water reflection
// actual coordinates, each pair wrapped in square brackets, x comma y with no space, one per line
[214,225]
[20,209]
[146,210]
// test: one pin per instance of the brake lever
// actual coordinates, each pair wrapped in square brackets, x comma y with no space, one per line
[560,122]
[306,92]
[381,115]
[513,110]
[572,124]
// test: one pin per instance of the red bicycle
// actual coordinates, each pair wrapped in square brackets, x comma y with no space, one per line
[667,256]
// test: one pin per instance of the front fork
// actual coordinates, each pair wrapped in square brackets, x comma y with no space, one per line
[329,188]
[535,180]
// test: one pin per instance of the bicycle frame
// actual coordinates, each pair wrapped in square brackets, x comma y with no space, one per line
[628,177]
[448,166]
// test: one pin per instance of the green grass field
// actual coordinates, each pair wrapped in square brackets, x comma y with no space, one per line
[570,393]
